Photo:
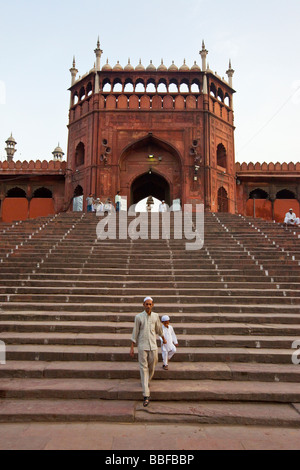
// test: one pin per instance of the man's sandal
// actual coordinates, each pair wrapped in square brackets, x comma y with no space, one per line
[146,401]
[166,367]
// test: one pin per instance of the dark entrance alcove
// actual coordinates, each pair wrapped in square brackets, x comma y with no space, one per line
[150,184]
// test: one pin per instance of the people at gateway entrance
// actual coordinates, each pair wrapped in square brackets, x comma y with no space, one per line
[90,203]
[118,200]
[147,326]
[163,207]
[291,218]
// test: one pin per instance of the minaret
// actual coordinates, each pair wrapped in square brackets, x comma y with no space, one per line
[74,72]
[10,149]
[98,53]
[230,73]
[203,54]
[57,154]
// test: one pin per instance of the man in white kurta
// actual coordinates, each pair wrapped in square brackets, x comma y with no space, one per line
[169,349]
[147,326]
[291,218]
[163,207]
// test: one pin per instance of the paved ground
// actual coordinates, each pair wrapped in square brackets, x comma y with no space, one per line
[104,436]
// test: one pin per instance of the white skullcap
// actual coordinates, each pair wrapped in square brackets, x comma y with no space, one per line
[165,318]
[148,298]
[291,209]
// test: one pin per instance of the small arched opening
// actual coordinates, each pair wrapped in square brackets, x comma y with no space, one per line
[222,200]
[221,156]
[80,154]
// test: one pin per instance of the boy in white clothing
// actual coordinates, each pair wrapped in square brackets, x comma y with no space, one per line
[168,350]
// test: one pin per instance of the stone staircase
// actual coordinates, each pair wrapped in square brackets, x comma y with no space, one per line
[68,302]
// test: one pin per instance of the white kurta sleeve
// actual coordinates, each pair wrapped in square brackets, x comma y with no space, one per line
[174,338]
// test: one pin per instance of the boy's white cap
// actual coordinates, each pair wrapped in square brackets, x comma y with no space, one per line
[165,318]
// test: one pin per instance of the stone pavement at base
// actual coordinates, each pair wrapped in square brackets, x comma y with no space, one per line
[106,436]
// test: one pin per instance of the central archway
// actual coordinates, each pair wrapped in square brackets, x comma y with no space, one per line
[151,167]
[150,184]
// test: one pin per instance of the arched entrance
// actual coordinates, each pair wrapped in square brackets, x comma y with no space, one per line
[151,167]
[222,200]
[150,184]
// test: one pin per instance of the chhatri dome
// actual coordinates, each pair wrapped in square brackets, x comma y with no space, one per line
[162,67]
[106,67]
[58,154]
[140,67]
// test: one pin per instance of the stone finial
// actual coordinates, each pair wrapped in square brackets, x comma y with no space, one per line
[203,54]
[230,73]
[73,71]
[98,53]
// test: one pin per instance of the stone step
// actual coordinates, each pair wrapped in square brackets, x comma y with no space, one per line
[38,352]
[182,300]
[81,327]
[177,371]
[191,340]
[291,318]
[163,390]
[246,414]
[157,292]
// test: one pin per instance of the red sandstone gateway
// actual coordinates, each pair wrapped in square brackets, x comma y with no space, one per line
[167,132]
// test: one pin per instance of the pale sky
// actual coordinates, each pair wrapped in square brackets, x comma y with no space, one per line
[39,38]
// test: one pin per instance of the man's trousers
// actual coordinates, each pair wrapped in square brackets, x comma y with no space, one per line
[148,361]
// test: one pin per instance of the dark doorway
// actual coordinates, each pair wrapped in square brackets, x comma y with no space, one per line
[222,200]
[150,184]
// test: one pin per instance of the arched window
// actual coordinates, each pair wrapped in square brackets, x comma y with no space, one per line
[213,91]
[82,94]
[220,95]
[117,86]
[221,156]
[79,154]
[89,89]
[16,193]
[162,87]
[151,88]
[106,87]
[184,87]
[140,86]
[258,194]
[128,87]
[285,194]
[195,88]
[75,99]
[227,100]
[173,87]
[42,193]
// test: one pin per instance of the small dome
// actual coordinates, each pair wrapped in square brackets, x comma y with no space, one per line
[162,67]
[151,67]
[195,67]
[140,67]
[184,67]
[128,67]
[58,149]
[11,140]
[118,67]
[106,67]
[173,67]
